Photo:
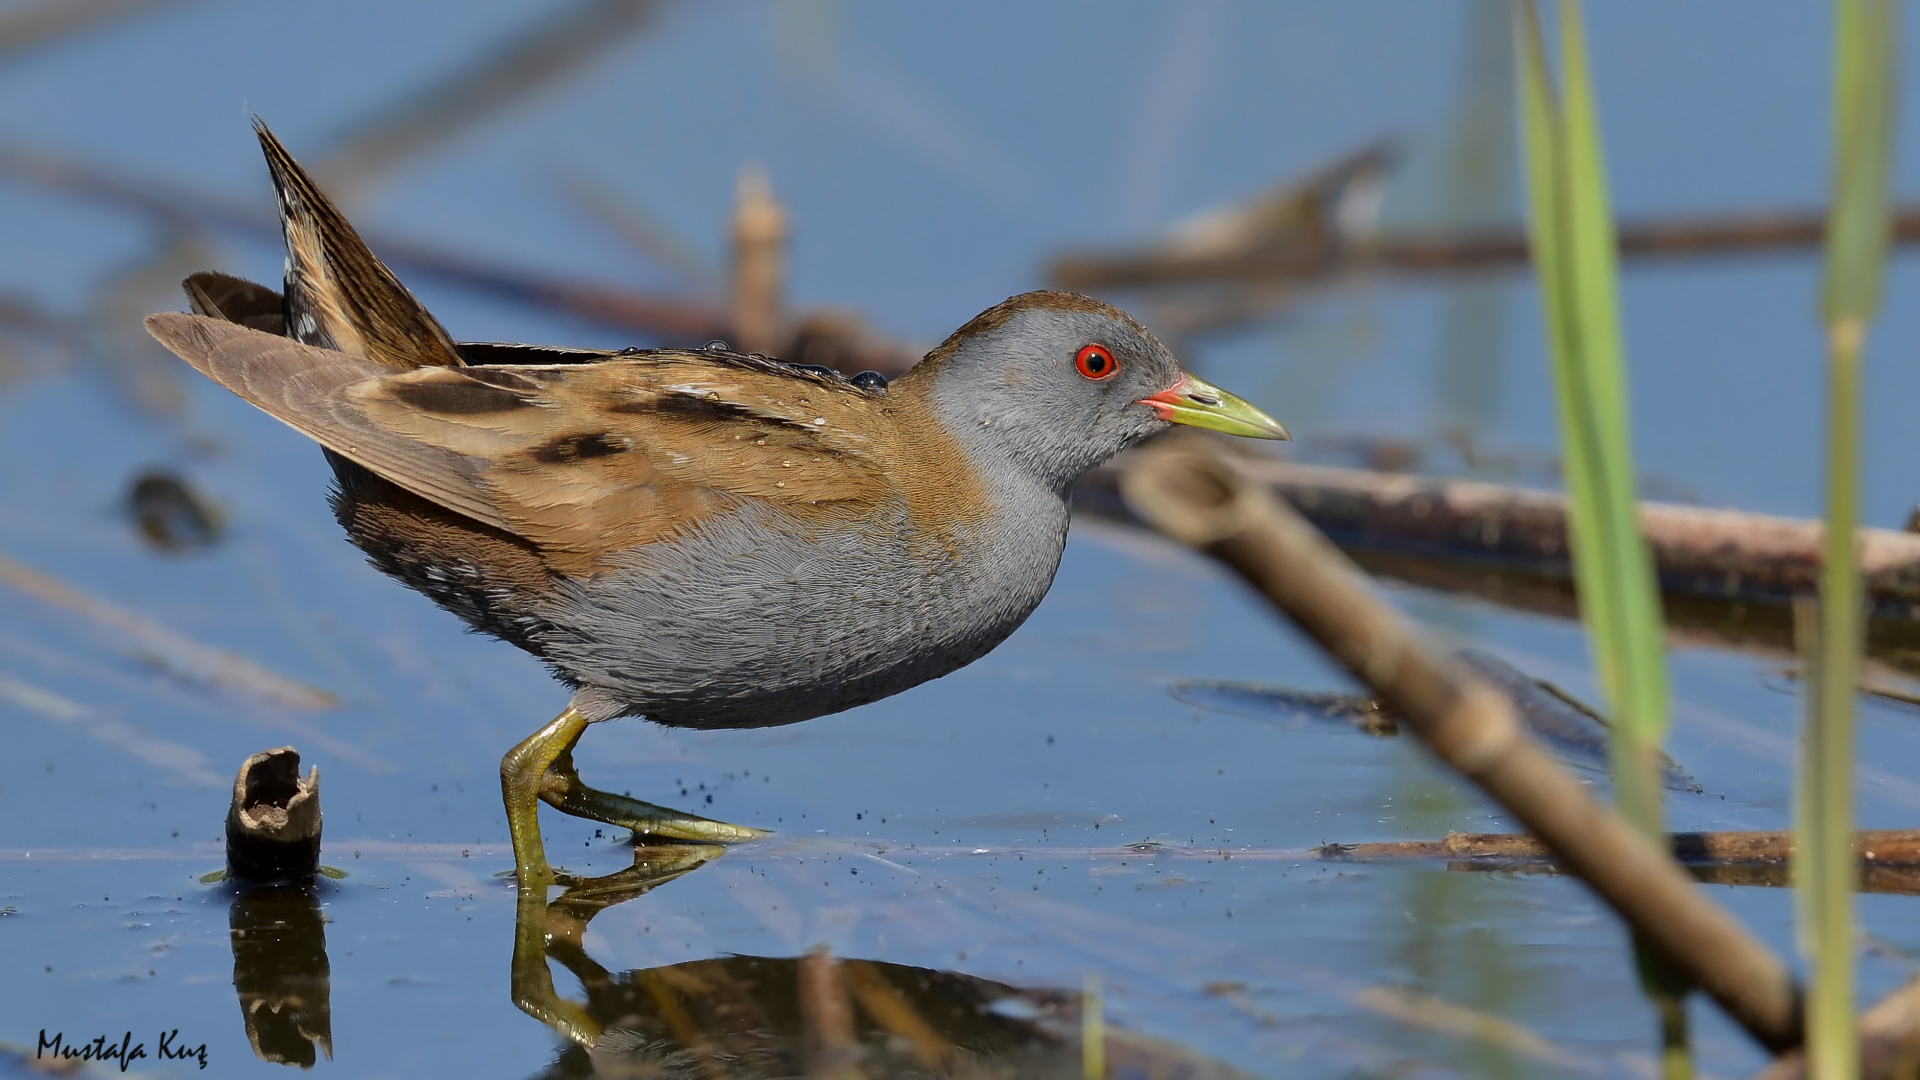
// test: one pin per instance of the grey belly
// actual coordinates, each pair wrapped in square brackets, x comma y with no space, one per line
[748,623]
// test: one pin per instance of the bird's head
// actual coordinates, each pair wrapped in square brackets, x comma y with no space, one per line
[1057,383]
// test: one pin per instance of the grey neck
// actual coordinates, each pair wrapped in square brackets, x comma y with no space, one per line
[1004,445]
[1010,398]
[1010,437]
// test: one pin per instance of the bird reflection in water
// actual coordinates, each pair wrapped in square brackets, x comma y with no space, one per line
[280,973]
[812,1015]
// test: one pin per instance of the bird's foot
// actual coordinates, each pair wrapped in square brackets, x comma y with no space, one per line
[562,789]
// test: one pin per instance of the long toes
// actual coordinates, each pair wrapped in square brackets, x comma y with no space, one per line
[695,830]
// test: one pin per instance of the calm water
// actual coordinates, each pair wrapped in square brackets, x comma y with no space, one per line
[977,825]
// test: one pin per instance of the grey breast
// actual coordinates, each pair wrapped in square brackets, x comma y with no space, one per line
[752,619]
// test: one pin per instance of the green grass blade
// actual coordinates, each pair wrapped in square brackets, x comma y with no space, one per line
[1540,118]
[1575,258]
[1545,162]
[1823,854]
[1624,583]
[1857,234]
[1859,228]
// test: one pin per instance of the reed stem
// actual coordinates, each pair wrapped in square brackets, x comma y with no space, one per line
[1859,229]
[1827,868]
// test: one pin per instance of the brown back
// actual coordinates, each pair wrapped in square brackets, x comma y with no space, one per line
[587,460]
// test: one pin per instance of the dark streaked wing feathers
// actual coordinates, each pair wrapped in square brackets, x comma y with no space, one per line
[306,388]
[582,460]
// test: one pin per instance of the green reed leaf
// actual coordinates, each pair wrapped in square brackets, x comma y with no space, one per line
[1575,258]
[1859,228]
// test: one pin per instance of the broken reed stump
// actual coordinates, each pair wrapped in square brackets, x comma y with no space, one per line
[759,265]
[1206,503]
[273,823]
[1718,554]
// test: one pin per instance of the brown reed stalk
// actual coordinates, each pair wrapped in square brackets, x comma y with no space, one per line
[1201,501]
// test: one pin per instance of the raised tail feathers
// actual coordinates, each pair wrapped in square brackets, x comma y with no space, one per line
[338,295]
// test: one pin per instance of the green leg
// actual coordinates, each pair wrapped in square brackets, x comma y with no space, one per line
[520,774]
[541,768]
[563,790]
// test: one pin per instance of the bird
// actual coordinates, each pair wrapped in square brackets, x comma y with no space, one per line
[698,537]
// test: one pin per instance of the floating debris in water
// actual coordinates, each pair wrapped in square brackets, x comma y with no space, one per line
[171,514]
[1259,701]
[1571,729]
[1889,858]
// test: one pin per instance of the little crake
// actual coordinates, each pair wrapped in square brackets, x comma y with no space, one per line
[696,537]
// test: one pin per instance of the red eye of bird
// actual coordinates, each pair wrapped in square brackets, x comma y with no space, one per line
[1096,363]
